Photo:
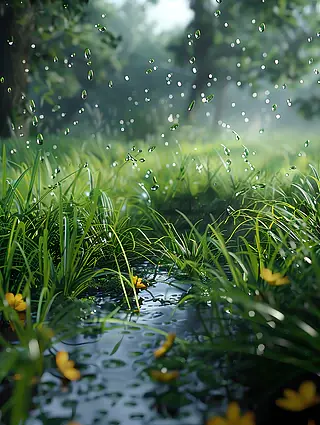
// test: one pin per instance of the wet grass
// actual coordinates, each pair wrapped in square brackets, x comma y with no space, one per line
[241,239]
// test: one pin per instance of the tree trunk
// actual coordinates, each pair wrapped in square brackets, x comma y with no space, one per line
[16,27]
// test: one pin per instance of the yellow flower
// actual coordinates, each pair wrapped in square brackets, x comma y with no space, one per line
[164,376]
[274,279]
[305,397]
[161,351]
[22,320]
[137,281]
[66,366]
[233,417]
[16,301]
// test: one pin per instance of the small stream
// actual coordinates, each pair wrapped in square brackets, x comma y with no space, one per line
[114,388]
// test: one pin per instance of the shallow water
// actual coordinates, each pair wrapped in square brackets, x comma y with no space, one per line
[114,388]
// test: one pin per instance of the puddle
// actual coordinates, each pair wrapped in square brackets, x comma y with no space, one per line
[115,389]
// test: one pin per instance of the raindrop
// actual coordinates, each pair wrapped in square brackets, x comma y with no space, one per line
[40,139]
[142,160]
[90,74]
[35,121]
[209,98]
[192,60]
[151,149]
[2,80]
[236,134]
[66,131]
[151,60]
[306,143]
[87,54]
[148,71]
[261,130]
[110,84]
[84,94]
[174,127]
[274,107]
[190,107]
[262,27]
[217,13]
[197,34]
[32,106]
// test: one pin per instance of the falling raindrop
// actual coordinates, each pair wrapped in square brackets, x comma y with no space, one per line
[151,60]
[87,54]
[110,84]
[197,34]
[306,143]
[192,60]
[217,13]
[262,27]
[90,74]
[190,107]
[55,59]
[40,139]
[151,149]
[148,71]
[66,131]
[174,127]
[32,106]
[274,107]
[84,94]
[236,134]
[35,121]
[209,98]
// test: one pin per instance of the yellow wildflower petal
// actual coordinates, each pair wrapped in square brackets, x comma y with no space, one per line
[21,305]
[233,411]
[282,281]
[10,298]
[62,358]
[160,352]
[170,339]
[18,298]
[217,420]
[159,376]
[267,275]
[289,393]
[72,374]
[140,285]
[308,390]
[293,404]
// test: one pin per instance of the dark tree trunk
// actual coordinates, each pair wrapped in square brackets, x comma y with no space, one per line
[16,28]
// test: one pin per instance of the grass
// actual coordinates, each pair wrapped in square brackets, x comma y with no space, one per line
[65,228]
